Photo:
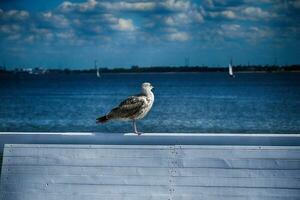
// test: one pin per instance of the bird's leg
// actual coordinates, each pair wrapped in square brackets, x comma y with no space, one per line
[134,126]
[135,129]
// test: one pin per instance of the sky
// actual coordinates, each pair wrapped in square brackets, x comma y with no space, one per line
[60,34]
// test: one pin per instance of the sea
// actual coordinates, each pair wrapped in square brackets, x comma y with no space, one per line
[184,102]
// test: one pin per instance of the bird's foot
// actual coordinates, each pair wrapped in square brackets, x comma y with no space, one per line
[138,133]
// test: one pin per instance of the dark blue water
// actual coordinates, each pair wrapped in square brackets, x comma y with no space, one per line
[184,102]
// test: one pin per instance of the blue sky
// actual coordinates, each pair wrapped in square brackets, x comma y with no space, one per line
[56,34]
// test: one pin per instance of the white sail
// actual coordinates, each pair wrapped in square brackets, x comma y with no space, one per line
[98,73]
[230,70]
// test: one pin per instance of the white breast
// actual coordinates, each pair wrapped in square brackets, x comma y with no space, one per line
[149,99]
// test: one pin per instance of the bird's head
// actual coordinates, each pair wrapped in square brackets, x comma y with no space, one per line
[147,86]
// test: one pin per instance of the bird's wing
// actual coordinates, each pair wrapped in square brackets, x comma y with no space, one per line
[129,107]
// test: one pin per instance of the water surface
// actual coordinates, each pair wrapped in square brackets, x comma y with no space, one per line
[184,102]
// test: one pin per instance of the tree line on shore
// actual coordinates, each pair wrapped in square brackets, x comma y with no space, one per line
[165,69]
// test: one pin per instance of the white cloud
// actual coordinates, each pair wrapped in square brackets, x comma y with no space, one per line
[124,25]
[226,14]
[65,35]
[255,13]
[242,13]
[236,32]
[173,5]
[176,5]
[196,16]
[110,18]
[231,27]
[10,28]
[130,6]
[183,18]
[67,6]
[179,36]
[55,19]
[14,15]
[170,21]
[110,15]
[89,5]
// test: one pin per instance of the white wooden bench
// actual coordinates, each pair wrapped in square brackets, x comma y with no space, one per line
[142,172]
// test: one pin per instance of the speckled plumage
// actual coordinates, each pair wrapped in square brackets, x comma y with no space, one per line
[133,108]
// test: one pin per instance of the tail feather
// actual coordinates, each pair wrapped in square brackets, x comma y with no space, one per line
[102,119]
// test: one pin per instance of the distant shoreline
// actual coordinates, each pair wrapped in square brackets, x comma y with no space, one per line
[133,73]
[158,69]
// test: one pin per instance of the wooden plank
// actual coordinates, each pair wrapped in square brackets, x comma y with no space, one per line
[239,163]
[156,162]
[204,147]
[87,179]
[236,147]
[148,190]
[30,195]
[251,135]
[68,188]
[148,171]
[229,197]
[49,133]
[241,153]
[53,196]
[104,138]
[87,153]
[288,183]
[214,134]
[236,191]
[82,161]
[236,173]
[85,170]
[84,146]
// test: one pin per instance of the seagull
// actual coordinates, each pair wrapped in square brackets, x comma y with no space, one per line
[133,108]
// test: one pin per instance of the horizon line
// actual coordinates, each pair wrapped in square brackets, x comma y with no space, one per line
[143,67]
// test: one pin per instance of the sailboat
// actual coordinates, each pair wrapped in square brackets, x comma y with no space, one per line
[98,73]
[230,70]
[97,69]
